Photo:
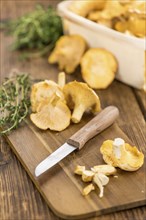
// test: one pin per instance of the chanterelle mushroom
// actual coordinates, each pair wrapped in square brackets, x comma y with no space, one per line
[55,115]
[68,52]
[44,90]
[111,10]
[120,154]
[98,68]
[82,8]
[80,98]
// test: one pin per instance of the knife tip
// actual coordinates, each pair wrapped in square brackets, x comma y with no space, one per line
[37,172]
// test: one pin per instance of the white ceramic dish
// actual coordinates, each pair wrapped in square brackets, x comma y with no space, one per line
[129,50]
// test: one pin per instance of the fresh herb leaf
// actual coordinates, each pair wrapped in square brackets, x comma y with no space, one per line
[39,30]
[14,101]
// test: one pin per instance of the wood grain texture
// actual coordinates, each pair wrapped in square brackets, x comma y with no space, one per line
[61,188]
[141,99]
[18,195]
[100,122]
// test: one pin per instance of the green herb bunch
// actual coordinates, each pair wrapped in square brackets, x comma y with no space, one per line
[39,30]
[14,101]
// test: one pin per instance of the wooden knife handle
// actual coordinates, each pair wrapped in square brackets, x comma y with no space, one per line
[101,121]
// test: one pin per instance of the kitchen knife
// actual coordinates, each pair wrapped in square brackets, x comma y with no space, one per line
[101,121]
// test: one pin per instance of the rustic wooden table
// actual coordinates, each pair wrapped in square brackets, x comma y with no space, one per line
[19,198]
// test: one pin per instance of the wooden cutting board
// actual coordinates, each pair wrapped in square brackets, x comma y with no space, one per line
[60,187]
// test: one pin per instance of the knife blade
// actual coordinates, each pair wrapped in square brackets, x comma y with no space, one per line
[100,122]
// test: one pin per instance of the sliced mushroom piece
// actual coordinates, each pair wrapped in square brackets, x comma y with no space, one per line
[100,180]
[68,52]
[87,175]
[55,115]
[80,98]
[103,178]
[105,169]
[79,170]
[88,189]
[97,181]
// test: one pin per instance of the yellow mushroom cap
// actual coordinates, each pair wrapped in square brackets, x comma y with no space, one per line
[43,91]
[68,52]
[112,9]
[98,68]
[127,158]
[138,7]
[137,26]
[55,115]
[80,98]
[82,8]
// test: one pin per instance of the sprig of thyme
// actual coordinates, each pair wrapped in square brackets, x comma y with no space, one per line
[38,30]
[14,101]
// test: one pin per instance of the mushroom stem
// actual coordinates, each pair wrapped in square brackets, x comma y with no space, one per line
[77,113]
[99,184]
[61,79]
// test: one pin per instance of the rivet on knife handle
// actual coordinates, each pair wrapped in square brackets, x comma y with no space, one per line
[100,122]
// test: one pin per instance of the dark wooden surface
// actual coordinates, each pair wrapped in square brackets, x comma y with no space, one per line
[19,198]
[60,188]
